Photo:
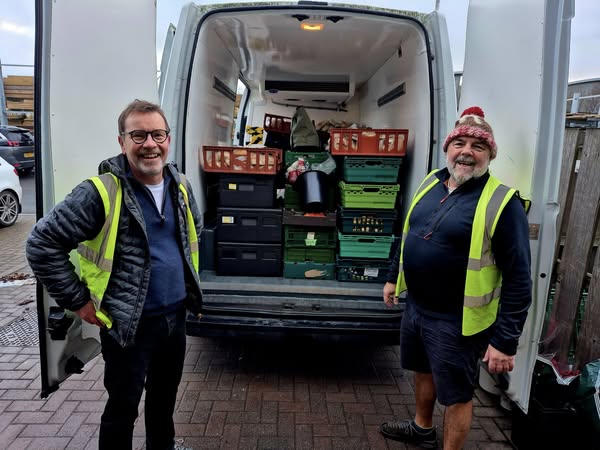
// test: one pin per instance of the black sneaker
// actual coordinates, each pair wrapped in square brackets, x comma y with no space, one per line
[405,431]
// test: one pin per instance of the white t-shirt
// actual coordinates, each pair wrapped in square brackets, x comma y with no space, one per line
[157,193]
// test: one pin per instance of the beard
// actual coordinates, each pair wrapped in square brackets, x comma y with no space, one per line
[462,178]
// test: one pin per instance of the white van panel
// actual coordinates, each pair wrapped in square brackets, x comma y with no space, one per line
[520,81]
[88,75]
[94,72]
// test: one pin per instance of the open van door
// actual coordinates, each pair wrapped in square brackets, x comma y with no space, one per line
[85,75]
[516,69]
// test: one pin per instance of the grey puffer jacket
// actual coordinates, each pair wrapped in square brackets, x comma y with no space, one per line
[79,217]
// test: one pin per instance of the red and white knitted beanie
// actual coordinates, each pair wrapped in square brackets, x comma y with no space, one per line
[473,124]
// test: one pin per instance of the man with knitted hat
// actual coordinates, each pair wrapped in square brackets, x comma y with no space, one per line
[464,263]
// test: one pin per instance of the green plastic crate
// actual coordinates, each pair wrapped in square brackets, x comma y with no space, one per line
[365,246]
[310,157]
[371,170]
[309,270]
[298,236]
[370,196]
[304,254]
[363,270]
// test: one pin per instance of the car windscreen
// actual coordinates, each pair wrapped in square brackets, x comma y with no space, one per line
[22,137]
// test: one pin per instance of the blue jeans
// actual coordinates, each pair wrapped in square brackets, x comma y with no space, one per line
[154,361]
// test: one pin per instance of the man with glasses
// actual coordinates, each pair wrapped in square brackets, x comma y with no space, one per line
[465,264]
[136,229]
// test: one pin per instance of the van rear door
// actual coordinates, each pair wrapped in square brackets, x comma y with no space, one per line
[92,59]
[516,69]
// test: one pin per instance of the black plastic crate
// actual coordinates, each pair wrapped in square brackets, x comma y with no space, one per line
[235,258]
[249,225]
[366,221]
[247,191]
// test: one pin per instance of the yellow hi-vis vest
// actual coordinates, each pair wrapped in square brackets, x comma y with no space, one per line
[484,279]
[96,255]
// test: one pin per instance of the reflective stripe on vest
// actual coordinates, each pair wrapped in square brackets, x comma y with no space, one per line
[192,233]
[483,279]
[96,255]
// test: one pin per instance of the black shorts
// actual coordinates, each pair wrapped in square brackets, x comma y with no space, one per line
[437,346]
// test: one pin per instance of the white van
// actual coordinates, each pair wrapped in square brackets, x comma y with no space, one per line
[386,69]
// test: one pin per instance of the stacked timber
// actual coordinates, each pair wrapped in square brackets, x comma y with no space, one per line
[18,91]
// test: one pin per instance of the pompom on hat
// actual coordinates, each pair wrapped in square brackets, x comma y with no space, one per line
[472,123]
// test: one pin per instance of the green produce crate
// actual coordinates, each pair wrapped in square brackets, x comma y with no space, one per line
[304,254]
[298,236]
[370,196]
[371,170]
[363,270]
[367,221]
[365,246]
[309,270]
[310,157]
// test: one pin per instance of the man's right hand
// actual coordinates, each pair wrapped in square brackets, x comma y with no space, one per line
[389,294]
[88,313]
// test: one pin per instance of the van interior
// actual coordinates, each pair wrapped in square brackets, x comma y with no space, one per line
[341,65]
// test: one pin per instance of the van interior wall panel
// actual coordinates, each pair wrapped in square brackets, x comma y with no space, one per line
[210,121]
[410,111]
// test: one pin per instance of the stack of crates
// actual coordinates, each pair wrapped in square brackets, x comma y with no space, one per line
[309,241]
[372,159]
[249,226]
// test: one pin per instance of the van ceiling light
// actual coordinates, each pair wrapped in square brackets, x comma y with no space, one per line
[311,26]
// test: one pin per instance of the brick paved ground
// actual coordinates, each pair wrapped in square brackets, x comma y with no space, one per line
[234,394]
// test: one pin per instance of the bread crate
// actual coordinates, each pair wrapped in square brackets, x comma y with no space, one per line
[277,124]
[366,141]
[246,160]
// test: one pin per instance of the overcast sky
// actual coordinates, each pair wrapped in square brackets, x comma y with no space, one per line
[17,31]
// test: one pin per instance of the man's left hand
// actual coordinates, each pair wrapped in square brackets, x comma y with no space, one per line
[497,361]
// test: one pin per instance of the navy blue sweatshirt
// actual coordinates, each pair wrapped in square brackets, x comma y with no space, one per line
[166,290]
[436,253]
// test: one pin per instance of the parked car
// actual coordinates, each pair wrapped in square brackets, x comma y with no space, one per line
[10,194]
[16,147]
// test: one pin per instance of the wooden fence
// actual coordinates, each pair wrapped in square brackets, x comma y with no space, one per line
[573,329]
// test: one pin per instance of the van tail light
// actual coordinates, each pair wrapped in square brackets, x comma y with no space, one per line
[15,171]
[13,143]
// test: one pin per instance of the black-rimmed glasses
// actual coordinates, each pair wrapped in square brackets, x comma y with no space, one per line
[140,136]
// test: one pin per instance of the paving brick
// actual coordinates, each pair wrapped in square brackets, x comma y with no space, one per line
[320,429]
[268,412]
[9,433]
[40,430]
[275,443]
[216,422]
[231,436]
[261,429]
[304,437]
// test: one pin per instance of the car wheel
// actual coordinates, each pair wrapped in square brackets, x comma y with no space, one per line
[9,208]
